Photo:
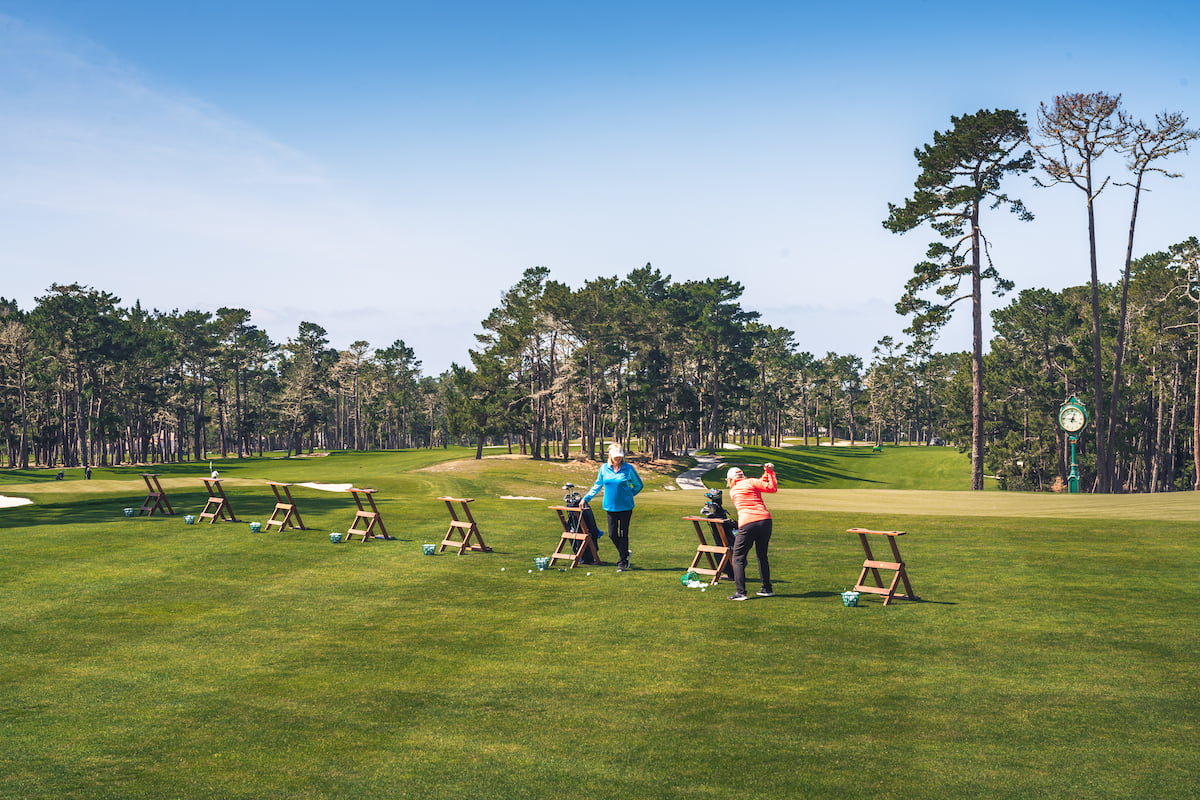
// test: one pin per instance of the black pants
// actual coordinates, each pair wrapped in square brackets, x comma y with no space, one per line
[618,531]
[756,535]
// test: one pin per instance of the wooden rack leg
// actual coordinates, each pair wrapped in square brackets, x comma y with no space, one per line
[285,515]
[719,554]
[872,566]
[217,505]
[363,499]
[156,500]
[463,534]
[574,545]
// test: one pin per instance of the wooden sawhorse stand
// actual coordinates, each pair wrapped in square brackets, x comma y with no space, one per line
[287,506]
[719,553]
[577,542]
[871,565]
[363,498]
[468,529]
[157,499]
[218,503]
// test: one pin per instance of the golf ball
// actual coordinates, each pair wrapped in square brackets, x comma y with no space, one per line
[530,572]
[589,573]
[502,569]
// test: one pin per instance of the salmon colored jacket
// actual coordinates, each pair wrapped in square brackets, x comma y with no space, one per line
[747,494]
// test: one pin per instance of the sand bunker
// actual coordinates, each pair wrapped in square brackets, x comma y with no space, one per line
[9,502]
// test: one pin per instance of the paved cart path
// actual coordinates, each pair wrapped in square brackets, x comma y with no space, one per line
[692,478]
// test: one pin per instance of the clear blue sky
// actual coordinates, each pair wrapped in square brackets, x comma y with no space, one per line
[388,169]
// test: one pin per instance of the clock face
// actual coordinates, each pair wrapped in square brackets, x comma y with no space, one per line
[1071,419]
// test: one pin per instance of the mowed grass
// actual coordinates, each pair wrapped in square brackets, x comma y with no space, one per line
[862,467]
[1052,653]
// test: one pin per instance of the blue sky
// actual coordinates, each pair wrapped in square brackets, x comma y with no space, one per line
[388,169]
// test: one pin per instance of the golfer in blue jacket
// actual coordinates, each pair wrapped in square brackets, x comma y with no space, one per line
[619,482]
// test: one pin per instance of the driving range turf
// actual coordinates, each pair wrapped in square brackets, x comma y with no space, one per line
[1053,652]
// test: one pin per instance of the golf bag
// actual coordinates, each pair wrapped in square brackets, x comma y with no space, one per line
[714,510]
[572,499]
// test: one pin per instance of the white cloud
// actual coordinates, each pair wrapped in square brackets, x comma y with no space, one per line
[105,175]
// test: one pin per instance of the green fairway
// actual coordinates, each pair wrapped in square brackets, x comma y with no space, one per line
[928,468]
[1053,653]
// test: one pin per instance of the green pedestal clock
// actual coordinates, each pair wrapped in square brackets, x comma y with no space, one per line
[1072,416]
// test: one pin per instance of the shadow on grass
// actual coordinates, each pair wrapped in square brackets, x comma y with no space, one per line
[801,467]
[920,601]
[228,466]
[110,508]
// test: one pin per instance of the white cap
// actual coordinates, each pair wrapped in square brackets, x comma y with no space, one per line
[734,474]
[616,451]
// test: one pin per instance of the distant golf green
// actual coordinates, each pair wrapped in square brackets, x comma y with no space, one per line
[1053,651]
[928,468]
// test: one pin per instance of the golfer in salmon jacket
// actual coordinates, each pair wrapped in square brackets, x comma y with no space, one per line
[754,526]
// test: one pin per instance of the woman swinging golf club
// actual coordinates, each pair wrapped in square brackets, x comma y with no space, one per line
[754,526]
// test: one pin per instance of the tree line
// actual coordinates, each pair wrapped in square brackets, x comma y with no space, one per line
[87,382]
[669,366]
[558,373]
[663,365]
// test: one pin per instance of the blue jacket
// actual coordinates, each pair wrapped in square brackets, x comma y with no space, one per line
[619,485]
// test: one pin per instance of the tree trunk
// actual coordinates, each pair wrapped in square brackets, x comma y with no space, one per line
[1103,481]
[976,356]
[1196,410]
[1122,322]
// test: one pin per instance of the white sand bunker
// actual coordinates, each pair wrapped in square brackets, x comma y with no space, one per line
[328,487]
[9,502]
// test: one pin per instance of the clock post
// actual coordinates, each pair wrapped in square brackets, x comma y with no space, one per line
[1072,416]
[1073,475]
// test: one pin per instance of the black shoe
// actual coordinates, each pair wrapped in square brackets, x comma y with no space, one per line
[765,592]
[738,596]
[622,566]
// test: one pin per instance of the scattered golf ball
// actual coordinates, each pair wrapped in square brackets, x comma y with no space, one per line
[530,572]
[502,569]
[704,590]
[589,573]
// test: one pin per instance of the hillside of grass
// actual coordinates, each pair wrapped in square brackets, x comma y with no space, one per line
[925,468]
